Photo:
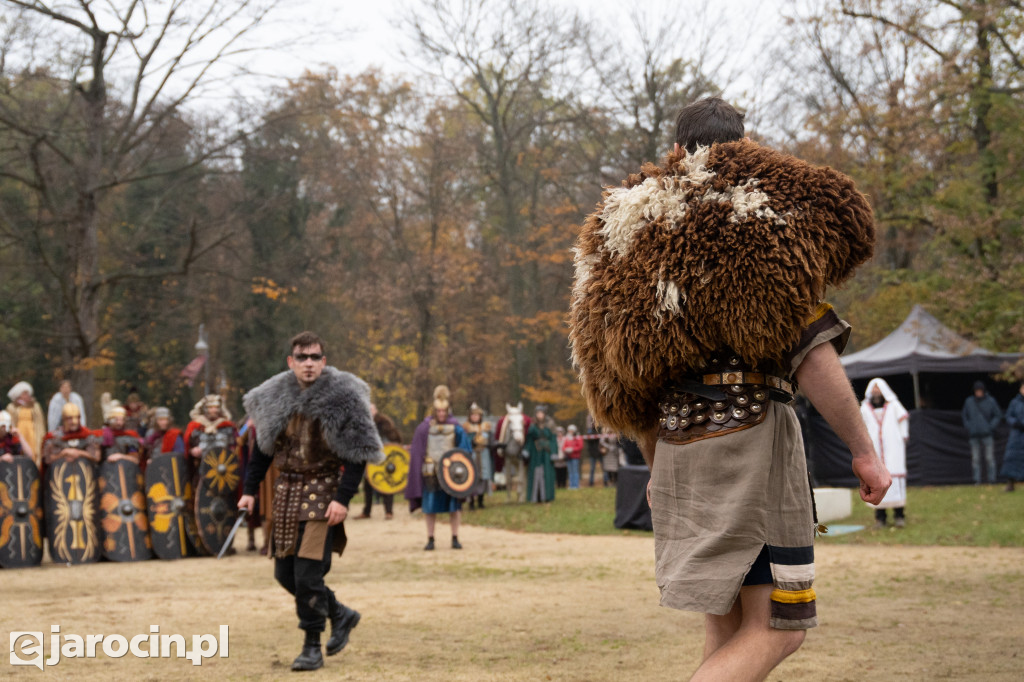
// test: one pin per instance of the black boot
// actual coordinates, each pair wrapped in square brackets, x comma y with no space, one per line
[342,624]
[430,544]
[310,658]
[455,542]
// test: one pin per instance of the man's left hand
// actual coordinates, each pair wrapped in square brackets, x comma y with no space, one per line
[336,513]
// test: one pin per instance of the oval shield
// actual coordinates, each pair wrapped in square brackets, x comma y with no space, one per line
[123,521]
[21,514]
[72,496]
[169,497]
[457,473]
[219,476]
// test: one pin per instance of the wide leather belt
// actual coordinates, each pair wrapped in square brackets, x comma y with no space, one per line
[686,417]
[740,377]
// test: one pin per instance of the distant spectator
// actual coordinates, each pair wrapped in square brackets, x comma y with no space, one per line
[27,417]
[1013,460]
[610,452]
[559,460]
[64,395]
[572,446]
[136,414]
[888,424]
[981,415]
[593,447]
[542,445]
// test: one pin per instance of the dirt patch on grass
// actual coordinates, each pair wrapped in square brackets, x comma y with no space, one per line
[516,606]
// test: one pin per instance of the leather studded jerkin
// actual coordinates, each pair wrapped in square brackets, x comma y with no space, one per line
[725,396]
[309,474]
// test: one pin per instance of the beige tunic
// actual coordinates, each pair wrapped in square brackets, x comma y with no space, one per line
[716,502]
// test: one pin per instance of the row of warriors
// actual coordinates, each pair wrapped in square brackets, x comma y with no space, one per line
[88,493]
[312,433]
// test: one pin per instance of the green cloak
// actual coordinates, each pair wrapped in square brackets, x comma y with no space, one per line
[542,444]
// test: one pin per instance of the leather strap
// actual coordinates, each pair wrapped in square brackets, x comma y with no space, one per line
[739,377]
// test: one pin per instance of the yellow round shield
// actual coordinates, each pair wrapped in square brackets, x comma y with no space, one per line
[391,475]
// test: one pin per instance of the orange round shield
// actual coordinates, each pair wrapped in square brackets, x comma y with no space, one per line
[457,473]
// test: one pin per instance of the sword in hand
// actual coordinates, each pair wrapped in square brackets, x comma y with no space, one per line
[242,513]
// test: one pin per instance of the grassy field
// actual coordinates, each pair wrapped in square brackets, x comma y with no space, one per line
[970,516]
[967,516]
[587,511]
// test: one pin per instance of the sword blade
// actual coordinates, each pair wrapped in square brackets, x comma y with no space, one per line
[234,529]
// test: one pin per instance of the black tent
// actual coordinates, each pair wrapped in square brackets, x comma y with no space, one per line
[922,344]
[931,368]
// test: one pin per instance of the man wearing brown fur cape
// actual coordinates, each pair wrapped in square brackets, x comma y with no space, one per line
[696,310]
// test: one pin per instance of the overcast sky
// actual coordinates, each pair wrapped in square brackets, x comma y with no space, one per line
[359,34]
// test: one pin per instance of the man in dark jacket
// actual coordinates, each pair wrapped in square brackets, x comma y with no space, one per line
[311,420]
[981,415]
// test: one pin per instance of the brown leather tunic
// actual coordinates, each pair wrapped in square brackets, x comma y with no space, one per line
[309,474]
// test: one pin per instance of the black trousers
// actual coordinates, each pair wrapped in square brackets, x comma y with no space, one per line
[369,492]
[304,578]
[897,513]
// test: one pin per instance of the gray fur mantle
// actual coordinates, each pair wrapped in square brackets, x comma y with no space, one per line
[339,400]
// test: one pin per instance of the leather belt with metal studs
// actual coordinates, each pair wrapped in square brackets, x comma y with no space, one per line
[726,396]
[686,417]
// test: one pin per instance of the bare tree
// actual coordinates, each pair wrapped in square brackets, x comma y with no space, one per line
[102,110]
[644,77]
[513,65]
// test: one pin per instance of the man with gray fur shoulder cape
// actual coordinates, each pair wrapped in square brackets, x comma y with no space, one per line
[311,422]
[697,308]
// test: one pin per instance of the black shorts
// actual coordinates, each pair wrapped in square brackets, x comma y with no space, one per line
[760,572]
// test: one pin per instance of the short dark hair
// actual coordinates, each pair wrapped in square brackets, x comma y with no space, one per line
[709,120]
[305,340]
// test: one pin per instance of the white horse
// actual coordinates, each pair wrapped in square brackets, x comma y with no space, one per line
[510,438]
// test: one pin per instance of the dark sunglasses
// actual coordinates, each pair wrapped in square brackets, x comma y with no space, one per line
[302,357]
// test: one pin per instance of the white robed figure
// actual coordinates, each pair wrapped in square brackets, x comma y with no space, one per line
[889,425]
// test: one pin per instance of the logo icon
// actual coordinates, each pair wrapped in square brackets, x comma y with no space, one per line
[31,649]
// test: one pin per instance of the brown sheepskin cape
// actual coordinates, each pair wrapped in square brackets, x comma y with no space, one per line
[732,246]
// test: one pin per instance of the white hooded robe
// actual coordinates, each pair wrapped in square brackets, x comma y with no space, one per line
[889,428]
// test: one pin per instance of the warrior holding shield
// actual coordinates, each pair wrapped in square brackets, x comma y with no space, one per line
[479,433]
[436,437]
[72,440]
[163,438]
[70,455]
[122,506]
[10,445]
[21,515]
[211,427]
[117,442]
[387,479]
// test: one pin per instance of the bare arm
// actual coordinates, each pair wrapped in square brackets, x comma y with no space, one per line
[824,382]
